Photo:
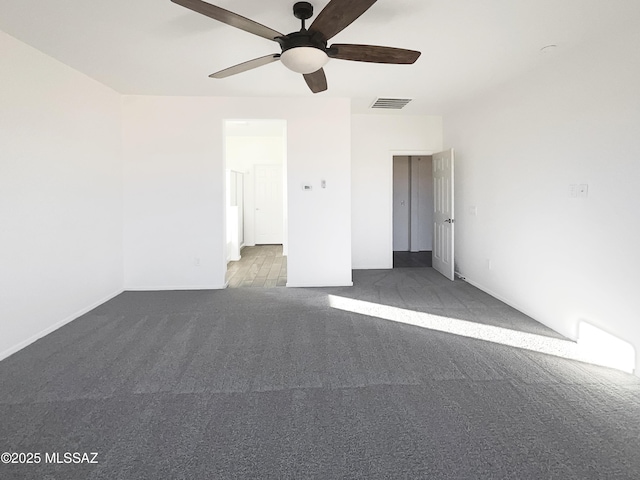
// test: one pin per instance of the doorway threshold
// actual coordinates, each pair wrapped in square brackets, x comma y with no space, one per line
[412,259]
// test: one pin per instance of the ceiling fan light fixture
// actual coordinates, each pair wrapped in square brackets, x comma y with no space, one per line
[304,59]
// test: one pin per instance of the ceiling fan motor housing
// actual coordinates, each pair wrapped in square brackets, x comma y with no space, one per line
[302,38]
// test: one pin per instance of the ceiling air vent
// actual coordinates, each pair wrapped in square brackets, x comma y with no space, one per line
[391,103]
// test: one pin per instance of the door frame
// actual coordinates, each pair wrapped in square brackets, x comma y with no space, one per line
[223,184]
[398,153]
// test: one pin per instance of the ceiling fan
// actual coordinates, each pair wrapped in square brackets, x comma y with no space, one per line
[306,51]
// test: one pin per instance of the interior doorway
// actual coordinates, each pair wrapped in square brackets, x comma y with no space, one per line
[256,226]
[413,206]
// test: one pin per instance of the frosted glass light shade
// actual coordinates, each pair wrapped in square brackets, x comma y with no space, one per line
[304,59]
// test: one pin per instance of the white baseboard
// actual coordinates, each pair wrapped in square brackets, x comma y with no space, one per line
[163,288]
[314,285]
[372,267]
[57,325]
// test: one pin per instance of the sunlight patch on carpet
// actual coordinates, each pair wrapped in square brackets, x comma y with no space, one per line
[590,348]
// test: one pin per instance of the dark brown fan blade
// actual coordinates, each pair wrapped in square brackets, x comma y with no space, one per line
[338,15]
[317,81]
[372,53]
[243,67]
[230,18]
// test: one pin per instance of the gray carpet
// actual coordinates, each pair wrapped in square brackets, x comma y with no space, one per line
[274,383]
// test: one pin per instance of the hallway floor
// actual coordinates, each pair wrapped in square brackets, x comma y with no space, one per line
[260,266]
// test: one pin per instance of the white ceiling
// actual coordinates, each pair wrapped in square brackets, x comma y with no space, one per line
[156,47]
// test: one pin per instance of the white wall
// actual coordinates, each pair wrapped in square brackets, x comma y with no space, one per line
[562,260]
[60,194]
[375,139]
[174,180]
[245,152]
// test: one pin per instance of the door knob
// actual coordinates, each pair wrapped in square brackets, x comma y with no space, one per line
[449,220]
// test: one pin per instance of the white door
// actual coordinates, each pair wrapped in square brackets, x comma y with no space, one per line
[269,218]
[443,221]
